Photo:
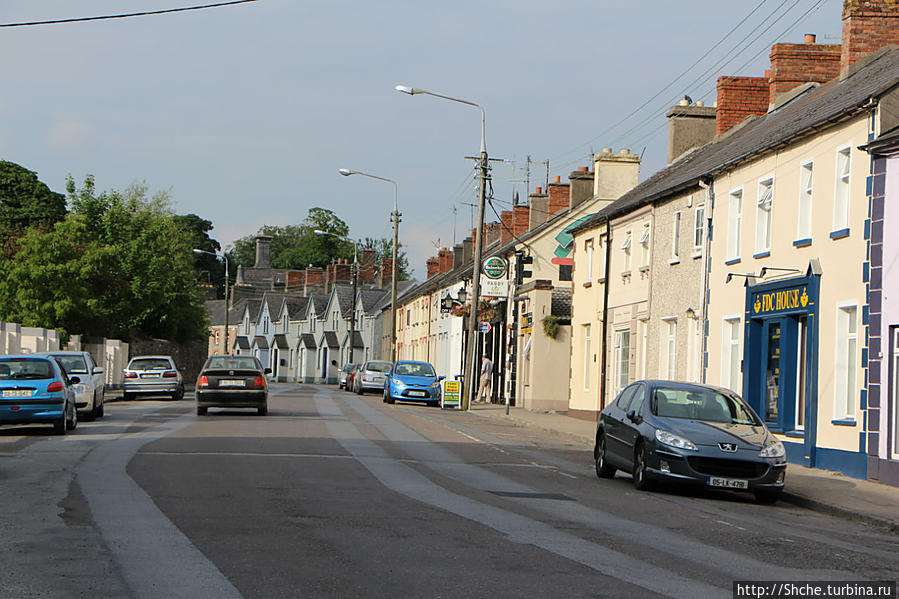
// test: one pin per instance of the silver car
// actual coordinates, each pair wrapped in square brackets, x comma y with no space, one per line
[92,384]
[371,376]
[152,375]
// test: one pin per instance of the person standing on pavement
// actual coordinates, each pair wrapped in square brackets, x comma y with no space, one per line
[486,379]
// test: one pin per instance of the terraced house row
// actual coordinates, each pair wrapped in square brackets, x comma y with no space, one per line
[759,260]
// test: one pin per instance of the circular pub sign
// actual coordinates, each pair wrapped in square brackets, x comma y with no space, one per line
[494,267]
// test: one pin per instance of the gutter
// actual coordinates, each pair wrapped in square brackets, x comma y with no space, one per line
[605,317]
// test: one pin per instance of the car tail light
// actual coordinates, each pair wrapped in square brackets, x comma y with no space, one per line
[204,381]
[130,375]
[54,387]
[169,375]
[259,382]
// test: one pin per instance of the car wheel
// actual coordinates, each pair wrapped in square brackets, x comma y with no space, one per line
[641,476]
[72,423]
[766,495]
[201,411]
[179,394]
[97,412]
[59,427]
[390,399]
[603,469]
[101,409]
[127,396]
[263,410]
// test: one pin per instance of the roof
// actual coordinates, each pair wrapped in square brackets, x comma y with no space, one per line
[319,303]
[308,341]
[561,302]
[295,306]
[281,341]
[344,296]
[242,342]
[887,143]
[370,299]
[802,115]
[260,341]
[330,339]
[216,311]
[357,339]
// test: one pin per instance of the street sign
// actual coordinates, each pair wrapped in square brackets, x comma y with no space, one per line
[484,327]
[452,395]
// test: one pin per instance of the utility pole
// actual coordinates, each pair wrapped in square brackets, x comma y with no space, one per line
[395,217]
[353,302]
[471,366]
[227,305]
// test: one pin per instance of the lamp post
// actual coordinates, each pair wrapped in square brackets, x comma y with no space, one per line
[227,308]
[355,287]
[395,218]
[471,364]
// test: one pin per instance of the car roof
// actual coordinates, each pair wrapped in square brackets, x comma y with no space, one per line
[142,357]
[37,356]
[684,384]
[412,362]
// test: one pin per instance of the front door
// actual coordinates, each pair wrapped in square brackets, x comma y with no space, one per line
[781,384]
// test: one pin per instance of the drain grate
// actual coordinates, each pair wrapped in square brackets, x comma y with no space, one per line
[556,496]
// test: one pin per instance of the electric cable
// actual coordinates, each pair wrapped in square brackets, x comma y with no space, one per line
[125,15]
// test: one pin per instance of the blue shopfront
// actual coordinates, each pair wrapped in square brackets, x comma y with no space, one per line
[780,360]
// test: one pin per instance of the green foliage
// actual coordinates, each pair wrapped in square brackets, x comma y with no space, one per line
[384,251]
[209,268]
[550,326]
[26,202]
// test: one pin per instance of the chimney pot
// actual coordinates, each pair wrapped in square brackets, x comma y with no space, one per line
[809,38]
[607,150]
[539,190]
[557,179]
[584,169]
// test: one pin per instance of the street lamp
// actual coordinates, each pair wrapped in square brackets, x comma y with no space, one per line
[225,258]
[355,287]
[471,364]
[395,218]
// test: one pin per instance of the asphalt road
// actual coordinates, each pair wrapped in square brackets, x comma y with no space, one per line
[333,495]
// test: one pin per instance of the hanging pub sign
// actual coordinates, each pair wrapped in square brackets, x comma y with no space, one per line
[787,299]
[494,278]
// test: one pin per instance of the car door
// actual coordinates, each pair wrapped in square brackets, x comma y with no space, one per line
[630,429]
[616,445]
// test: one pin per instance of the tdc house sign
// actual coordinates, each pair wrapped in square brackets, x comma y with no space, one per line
[494,277]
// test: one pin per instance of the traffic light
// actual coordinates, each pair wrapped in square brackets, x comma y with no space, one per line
[520,273]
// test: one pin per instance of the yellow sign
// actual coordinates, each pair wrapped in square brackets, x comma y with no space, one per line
[780,300]
[452,394]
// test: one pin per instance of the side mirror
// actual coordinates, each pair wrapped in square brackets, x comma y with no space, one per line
[633,417]
[267,371]
[440,378]
[97,370]
[74,380]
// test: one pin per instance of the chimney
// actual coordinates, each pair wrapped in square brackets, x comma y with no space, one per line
[539,203]
[458,256]
[507,218]
[385,279]
[263,251]
[559,196]
[467,250]
[795,64]
[520,220]
[433,265]
[343,272]
[315,280]
[295,280]
[614,173]
[329,277]
[492,233]
[689,126]
[445,260]
[868,26]
[367,266]
[738,98]
[581,186]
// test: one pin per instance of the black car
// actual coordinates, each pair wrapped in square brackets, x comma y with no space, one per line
[232,382]
[689,433]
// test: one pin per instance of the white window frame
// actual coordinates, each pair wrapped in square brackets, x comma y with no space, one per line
[668,366]
[698,227]
[842,190]
[644,241]
[806,186]
[764,213]
[626,246]
[845,371]
[588,247]
[734,223]
[675,236]
[587,352]
[622,360]
[731,346]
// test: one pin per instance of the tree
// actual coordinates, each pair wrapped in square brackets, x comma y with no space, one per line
[384,251]
[208,267]
[25,201]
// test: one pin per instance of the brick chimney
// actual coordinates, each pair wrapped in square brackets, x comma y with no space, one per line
[507,217]
[445,260]
[520,220]
[614,173]
[689,126]
[343,272]
[385,278]
[492,233]
[580,186]
[295,280]
[795,64]
[559,196]
[539,203]
[368,266]
[868,26]
[263,251]
[315,280]
[738,98]
[433,265]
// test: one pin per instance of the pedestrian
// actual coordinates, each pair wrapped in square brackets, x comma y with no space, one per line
[486,379]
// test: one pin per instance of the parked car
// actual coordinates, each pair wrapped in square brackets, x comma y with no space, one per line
[232,382]
[412,381]
[152,375]
[343,375]
[351,378]
[371,376]
[36,390]
[92,382]
[689,433]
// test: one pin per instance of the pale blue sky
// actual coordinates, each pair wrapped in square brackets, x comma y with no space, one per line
[245,113]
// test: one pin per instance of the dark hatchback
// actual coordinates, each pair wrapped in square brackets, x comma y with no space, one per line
[688,433]
[232,382]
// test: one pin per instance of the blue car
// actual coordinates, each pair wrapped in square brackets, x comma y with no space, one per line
[35,389]
[412,381]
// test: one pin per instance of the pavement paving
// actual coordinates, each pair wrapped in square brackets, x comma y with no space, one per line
[819,490]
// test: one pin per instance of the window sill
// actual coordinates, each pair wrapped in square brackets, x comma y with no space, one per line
[674,261]
[601,280]
[764,254]
[625,273]
[644,269]
[588,284]
[844,422]
[732,261]
[697,254]
[801,243]
[798,434]
[839,234]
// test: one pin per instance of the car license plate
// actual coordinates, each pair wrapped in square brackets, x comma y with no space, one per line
[151,375]
[417,394]
[728,483]
[231,383]
[17,393]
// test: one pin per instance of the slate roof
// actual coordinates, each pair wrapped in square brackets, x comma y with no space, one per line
[253,307]
[319,301]
[260,341]
[281,341]
[296,306]
[357,339]
[242,342]
[331,340]
[561,303]
[216,311]
[344,296]
[801,116]
[308,340]
[370,299]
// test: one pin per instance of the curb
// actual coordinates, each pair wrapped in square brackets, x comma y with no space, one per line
[832,510]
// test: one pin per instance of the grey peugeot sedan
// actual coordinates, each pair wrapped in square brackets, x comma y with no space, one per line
[688,433]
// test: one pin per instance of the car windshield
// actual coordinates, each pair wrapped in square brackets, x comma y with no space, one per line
[72,364]
[150,364]
[232,362]
[414,369]
[378,366]
[700,404]
[25,368]
[347,367]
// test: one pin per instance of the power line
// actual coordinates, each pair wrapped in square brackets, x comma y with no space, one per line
[125,15]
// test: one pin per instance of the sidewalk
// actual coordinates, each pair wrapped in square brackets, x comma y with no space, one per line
[818,490]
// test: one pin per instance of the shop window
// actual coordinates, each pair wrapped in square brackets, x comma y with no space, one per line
[805,201]
[841,194]
[763,215]
[734,223]
[731,354]
[845,363]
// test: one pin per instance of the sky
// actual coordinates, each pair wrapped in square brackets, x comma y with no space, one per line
[244,113]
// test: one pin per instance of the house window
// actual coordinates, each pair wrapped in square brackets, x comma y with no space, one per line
[698,228]
[675,242]
[622,359]
[734,223]
[565,272]
[408,317]
[626,246]
[588,246]
[841,194]
[246,327]
[217,335]
[763,215]
[731,355]
[805,201]
[844,368]
[644,242]
[669,358]
[587,354]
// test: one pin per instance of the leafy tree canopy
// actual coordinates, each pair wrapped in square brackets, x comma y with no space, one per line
[25,201]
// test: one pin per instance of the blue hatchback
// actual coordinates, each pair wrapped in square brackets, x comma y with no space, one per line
[35,389]
[412,381]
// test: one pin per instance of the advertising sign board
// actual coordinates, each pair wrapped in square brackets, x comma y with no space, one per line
[452,395]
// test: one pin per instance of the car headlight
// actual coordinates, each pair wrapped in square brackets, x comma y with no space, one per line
[435,385]
[79,388]
[773,450]
[398,383]
[673,440]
